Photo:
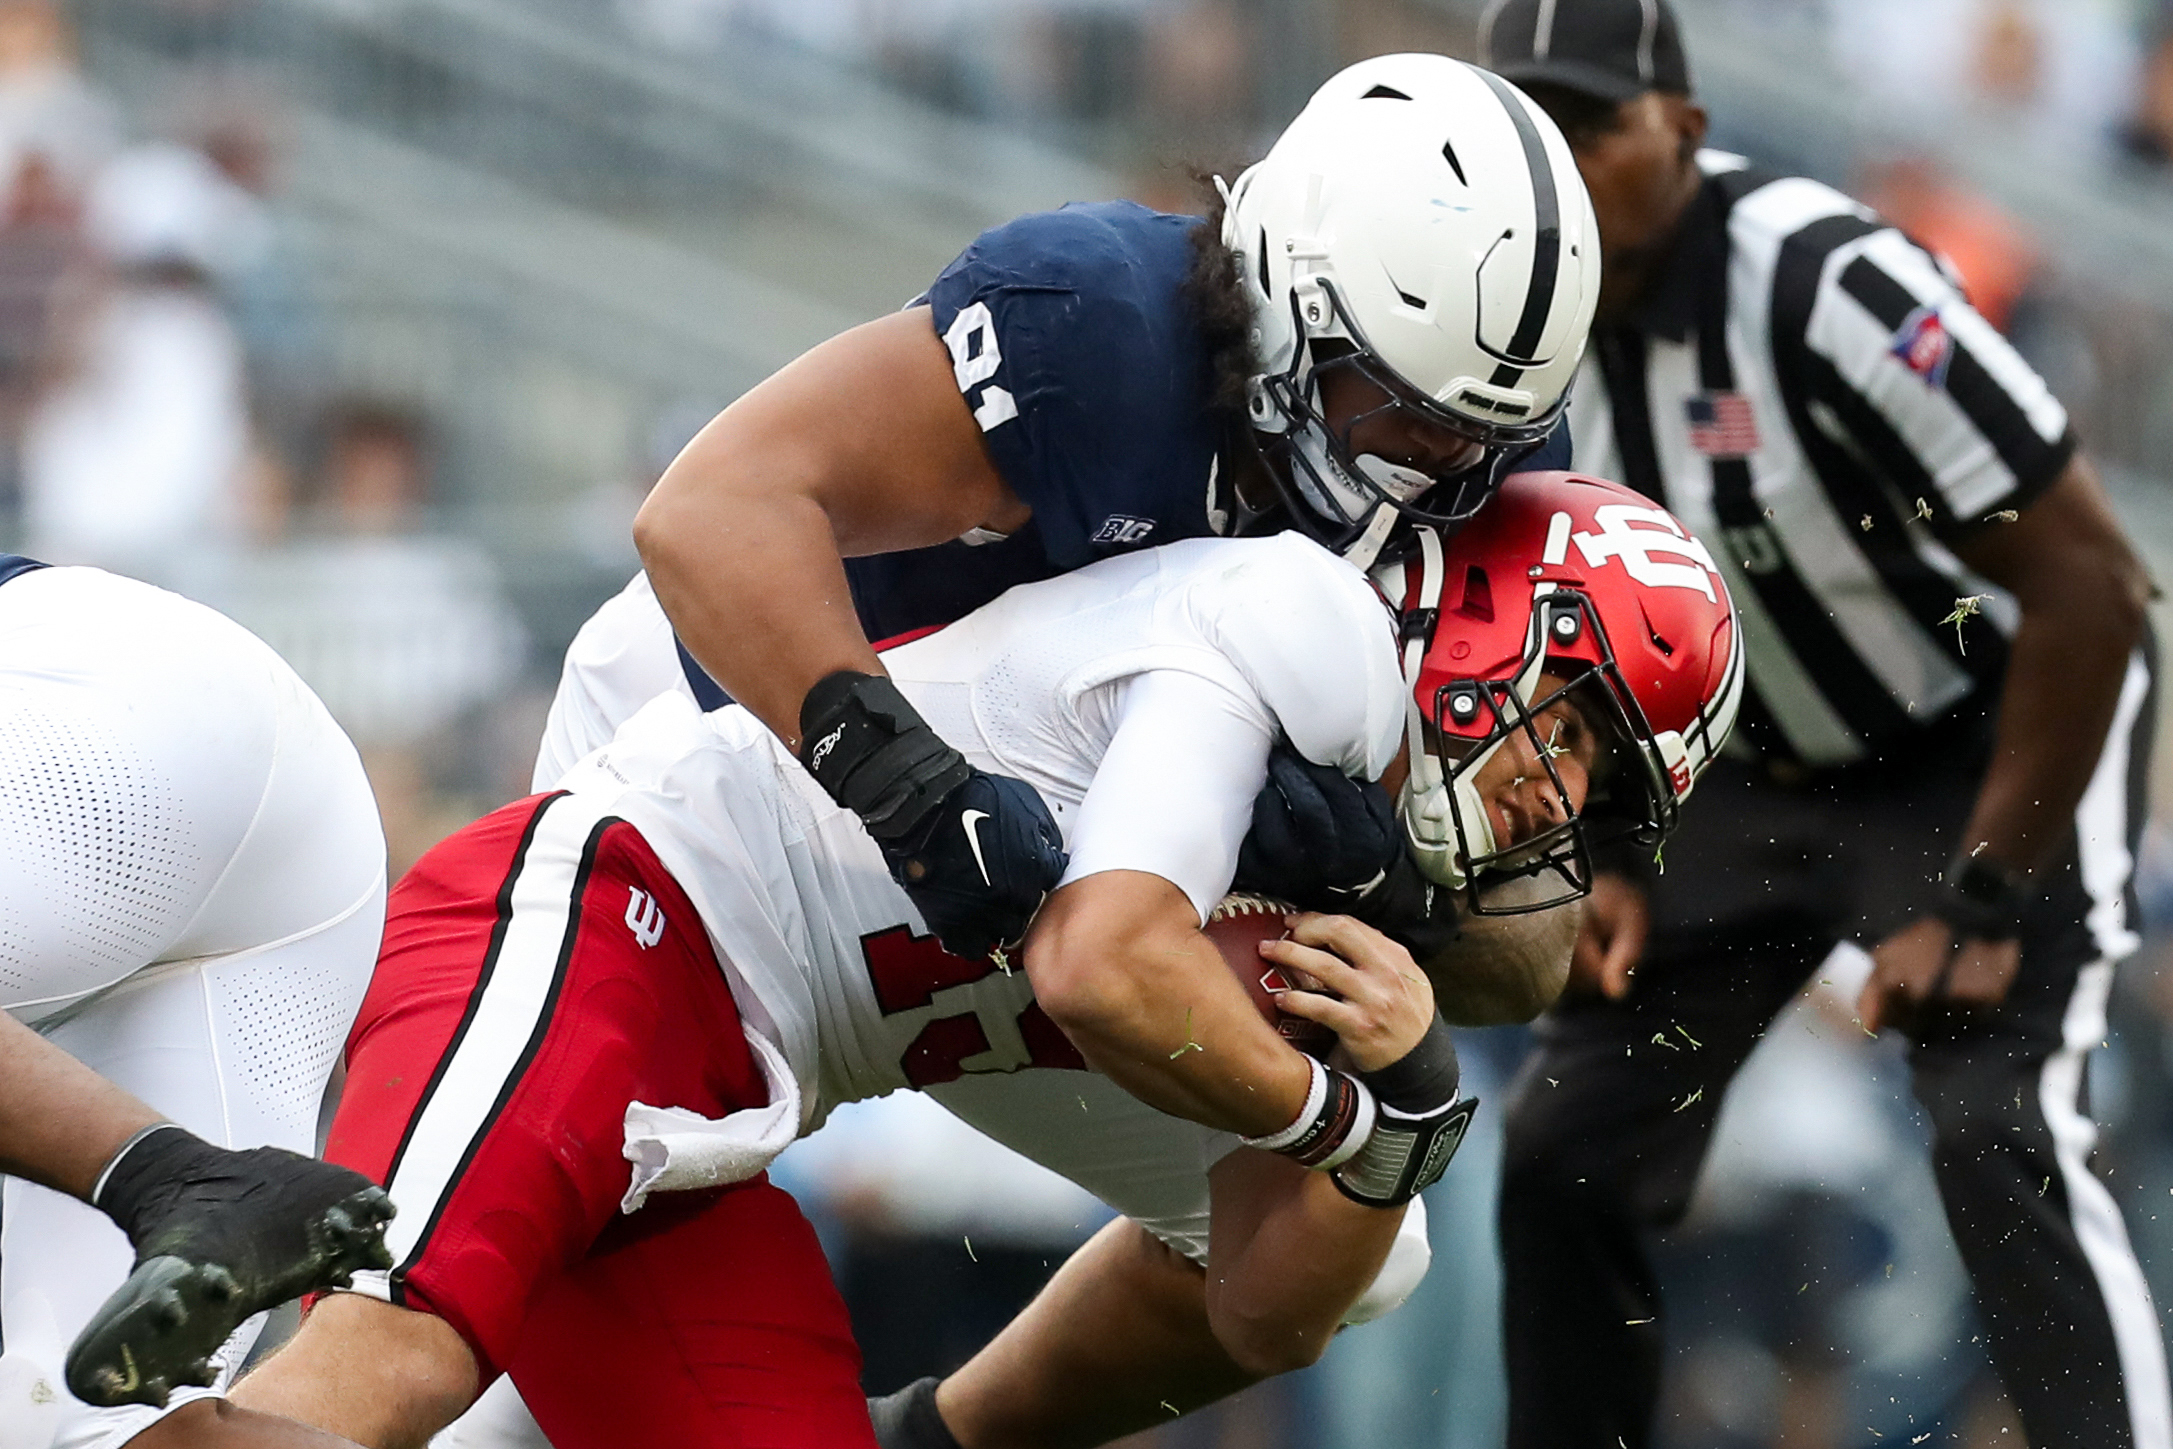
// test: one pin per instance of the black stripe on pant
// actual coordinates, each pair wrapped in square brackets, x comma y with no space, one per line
[1606,1129]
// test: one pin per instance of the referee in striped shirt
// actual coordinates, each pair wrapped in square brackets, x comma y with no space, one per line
[1941,757]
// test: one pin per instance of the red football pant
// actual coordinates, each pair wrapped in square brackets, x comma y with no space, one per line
[540,971]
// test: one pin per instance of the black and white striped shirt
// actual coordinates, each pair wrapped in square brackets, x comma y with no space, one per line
[1812,394]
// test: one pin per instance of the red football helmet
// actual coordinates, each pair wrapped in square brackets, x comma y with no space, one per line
[1607,600]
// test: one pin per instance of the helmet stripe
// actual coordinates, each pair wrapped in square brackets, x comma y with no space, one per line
[1547,246]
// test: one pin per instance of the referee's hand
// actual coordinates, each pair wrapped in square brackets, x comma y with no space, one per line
[1611,938]
[1921,969]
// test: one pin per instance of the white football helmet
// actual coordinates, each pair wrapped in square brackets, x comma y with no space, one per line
[1426,221]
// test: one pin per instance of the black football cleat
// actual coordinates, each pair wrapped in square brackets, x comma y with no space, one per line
[220,1237]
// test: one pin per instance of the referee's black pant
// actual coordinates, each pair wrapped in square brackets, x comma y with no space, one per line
[1760,882]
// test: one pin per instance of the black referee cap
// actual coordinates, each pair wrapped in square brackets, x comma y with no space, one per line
[1611,49]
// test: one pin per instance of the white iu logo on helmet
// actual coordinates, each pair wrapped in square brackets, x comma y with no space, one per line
[644,917]
[1620,535]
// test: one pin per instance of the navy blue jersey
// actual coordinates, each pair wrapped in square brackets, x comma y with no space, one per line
[12,565]
[1084,368]
[1552,456]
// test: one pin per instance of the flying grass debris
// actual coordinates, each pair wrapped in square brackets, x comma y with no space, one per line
[1964,607]
[1190,1045]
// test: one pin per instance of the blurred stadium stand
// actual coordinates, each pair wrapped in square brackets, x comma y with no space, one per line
[554,240]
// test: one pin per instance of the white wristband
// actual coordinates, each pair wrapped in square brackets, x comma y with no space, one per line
[1336,1122]
[1360,1134]
[1315,1097]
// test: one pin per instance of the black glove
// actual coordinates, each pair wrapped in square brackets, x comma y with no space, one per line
[1418,1124]
[1322,841]
[1319,839]
[975,851]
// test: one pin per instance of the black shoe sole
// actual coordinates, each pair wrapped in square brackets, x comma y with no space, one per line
[160,1328]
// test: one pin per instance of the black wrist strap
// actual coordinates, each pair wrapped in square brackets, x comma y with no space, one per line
[874,754]
[1424,1079]
[1980,899]
[1417,1126]
[1406,1153]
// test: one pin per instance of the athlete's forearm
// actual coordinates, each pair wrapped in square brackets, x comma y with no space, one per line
[863,445]
[2082,592]
[760,600]
[60,1122]
[1289,1254]
[1118,962]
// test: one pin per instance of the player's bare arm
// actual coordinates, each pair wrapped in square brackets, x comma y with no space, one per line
[2082,593]
[863,445]
[60,1122]
[1291,1252]
[1119,963]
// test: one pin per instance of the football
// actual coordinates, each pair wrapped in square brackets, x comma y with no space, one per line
[1237,926]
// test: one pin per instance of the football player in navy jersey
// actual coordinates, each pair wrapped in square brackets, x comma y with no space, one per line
[1378,338]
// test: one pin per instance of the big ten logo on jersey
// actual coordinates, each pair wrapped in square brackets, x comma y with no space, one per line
[975,358]
[962,1016]
[1123,529]
[1648,542]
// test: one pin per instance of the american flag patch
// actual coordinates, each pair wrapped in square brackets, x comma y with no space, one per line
[1722,425]
[1924,346]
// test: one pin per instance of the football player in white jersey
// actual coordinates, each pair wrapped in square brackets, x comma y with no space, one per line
[689,954]
[191,894]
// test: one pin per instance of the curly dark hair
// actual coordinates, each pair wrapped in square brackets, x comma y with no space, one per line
[1214,289]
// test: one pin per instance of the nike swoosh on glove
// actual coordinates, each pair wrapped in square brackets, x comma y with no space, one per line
[975,851]
[978,866]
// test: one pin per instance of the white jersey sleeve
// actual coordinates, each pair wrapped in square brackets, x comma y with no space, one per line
[1295,642]
[1315,643]
[1175,790]
[1140,695]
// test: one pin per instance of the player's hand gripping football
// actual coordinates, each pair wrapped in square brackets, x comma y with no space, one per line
[975,851]
[1381,1007]
[1374,997]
